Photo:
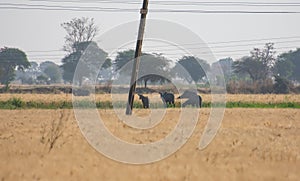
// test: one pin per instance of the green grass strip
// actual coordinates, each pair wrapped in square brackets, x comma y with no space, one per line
[17,103]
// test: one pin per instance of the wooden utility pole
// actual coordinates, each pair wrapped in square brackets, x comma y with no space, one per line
[137,57]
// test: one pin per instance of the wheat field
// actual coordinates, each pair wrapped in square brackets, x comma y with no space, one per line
[257,98]
[252,144]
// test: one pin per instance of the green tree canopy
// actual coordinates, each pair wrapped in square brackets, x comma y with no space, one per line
[90,57]
[291,58]
[195,68]
[284,68]
[45,64]
[79,42]
[226,65]
[34,66]
[107,64]
[255,68]
[29,75]
[123,58]
[281,85]
[53,72]
[11,59]
[155,68]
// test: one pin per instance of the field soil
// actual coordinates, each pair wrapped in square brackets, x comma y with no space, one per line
[252,144]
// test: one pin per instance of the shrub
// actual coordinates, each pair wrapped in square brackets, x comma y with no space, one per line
[281,85]
[16,102]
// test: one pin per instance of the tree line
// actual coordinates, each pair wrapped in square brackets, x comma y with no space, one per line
[261,72]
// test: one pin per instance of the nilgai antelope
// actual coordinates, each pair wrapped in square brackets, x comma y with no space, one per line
[81,92]
[145,101]
[168,98]
[193,98]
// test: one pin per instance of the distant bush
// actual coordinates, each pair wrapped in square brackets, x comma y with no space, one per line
[250,87]
[281,86]
[295,89]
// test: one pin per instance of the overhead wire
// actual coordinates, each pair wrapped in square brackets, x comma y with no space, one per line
[229,53]
[209,43]
[219,3]
[113,9]
[225,43]
[222,44]
[43,51]
[59,7]
[166,48]
[239,50]
[173,3]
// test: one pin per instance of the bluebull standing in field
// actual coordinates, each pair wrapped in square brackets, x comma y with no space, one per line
[168,98]
[145,101]
[81,92]
[193,99]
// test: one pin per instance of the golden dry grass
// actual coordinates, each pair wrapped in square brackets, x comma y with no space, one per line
[259,98]
[252,144]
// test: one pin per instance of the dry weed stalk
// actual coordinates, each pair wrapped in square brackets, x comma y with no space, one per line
[50,136]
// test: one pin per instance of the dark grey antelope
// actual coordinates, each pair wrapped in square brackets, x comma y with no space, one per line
[81,92]
[193,98]
[145,101]
[168,98]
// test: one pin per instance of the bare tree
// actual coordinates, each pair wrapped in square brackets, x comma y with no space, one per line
[79,30]
[266,56]
[259,65]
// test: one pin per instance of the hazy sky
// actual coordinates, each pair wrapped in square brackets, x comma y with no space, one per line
[40,30]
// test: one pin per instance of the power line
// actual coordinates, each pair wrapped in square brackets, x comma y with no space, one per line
[222,44]
[180,3]
[95,9]
[279,42]
[203,43]
[208,43]
[88,1]
[173,49]
[231,3]
[233,41]
[196,11]
[279,48]
[251,40]
[55,55]
[160,49]
[225,4]
[229,51]
[241,52]
[63,8]
[165,48]
[44,51]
